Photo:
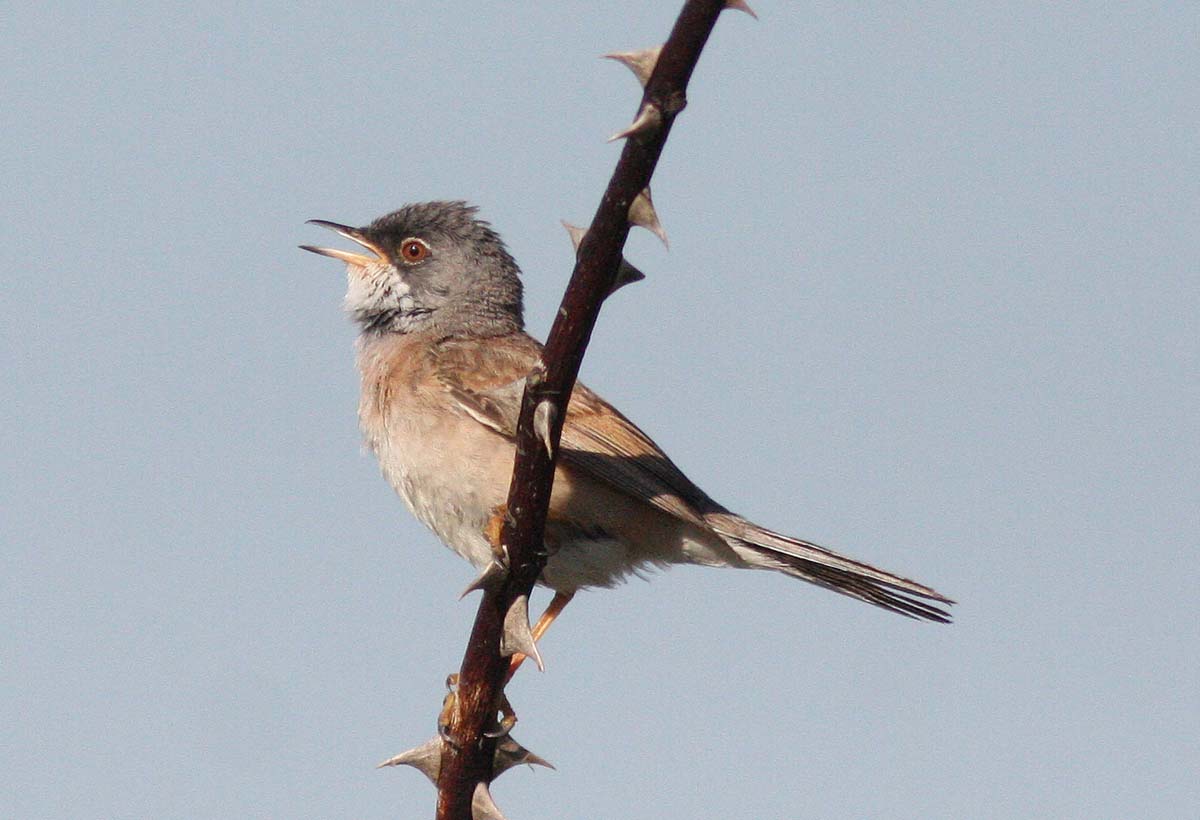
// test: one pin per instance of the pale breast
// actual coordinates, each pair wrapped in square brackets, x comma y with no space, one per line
[453,472]
[450,471]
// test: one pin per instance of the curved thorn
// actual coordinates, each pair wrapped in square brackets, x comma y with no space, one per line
[543,417]
[426,758]
[649,118]
[576,233]
[532,760]
[510,753]
[740,5]
[517,636]
[491,574]
[483,807]
[642,214]
[641,63]
[627,274]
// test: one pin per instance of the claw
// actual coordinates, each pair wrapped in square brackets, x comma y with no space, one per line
[426,758]
[510,753]
[492,574]
[449,705]
[542,418]
[649,118]
[627,274]
[642,214]
[518,637]
[502,727]
[641,63]
[508,719]
[740,5]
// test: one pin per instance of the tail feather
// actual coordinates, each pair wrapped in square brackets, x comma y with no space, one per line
[815,564]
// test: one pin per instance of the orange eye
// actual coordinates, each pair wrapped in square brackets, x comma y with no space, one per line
[413,251]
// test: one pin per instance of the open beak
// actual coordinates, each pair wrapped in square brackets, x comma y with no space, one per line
[354,235]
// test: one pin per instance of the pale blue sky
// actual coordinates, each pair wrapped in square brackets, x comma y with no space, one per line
[931,299]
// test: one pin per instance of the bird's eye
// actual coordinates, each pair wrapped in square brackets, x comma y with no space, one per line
[413,251]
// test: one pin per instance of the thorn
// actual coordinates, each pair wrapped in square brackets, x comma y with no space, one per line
[492,574]
[649,118]
[543,417]
[627,274]
[510,753]
[740,5]
[642,214]
[426,758]
[641,63]
[518,637]
[576,233]
[483,807]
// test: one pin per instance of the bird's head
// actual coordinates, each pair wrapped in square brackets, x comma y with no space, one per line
[431,266]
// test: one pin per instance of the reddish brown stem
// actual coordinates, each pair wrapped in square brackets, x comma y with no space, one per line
[468,760]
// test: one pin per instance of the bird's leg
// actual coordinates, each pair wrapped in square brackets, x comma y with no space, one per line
[492,530]
[559,602]
[499,728]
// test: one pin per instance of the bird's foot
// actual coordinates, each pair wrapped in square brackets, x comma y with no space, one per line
[493,530]
[449,707]
[506,720]
[501,725]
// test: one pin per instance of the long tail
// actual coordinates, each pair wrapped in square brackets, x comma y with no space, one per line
[760,547]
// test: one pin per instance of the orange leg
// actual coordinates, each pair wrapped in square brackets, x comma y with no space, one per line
[491,532]
[560,601]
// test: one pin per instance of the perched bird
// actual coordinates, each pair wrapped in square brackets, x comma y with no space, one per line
[444,355]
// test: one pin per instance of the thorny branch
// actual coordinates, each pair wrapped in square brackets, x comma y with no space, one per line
[467,757]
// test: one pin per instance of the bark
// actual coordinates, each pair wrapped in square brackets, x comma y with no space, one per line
[468,759]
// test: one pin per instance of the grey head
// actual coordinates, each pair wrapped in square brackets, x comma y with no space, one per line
[433,266]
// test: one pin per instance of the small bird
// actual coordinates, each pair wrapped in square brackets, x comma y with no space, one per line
[444,355]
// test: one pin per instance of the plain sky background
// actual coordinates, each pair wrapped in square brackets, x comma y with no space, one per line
[931,299]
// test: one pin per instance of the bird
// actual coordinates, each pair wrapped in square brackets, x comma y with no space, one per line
[443,356]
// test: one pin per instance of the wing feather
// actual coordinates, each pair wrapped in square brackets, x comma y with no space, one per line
[597,439]
[487,383]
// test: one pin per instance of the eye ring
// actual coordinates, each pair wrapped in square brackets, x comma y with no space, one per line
[413,250]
